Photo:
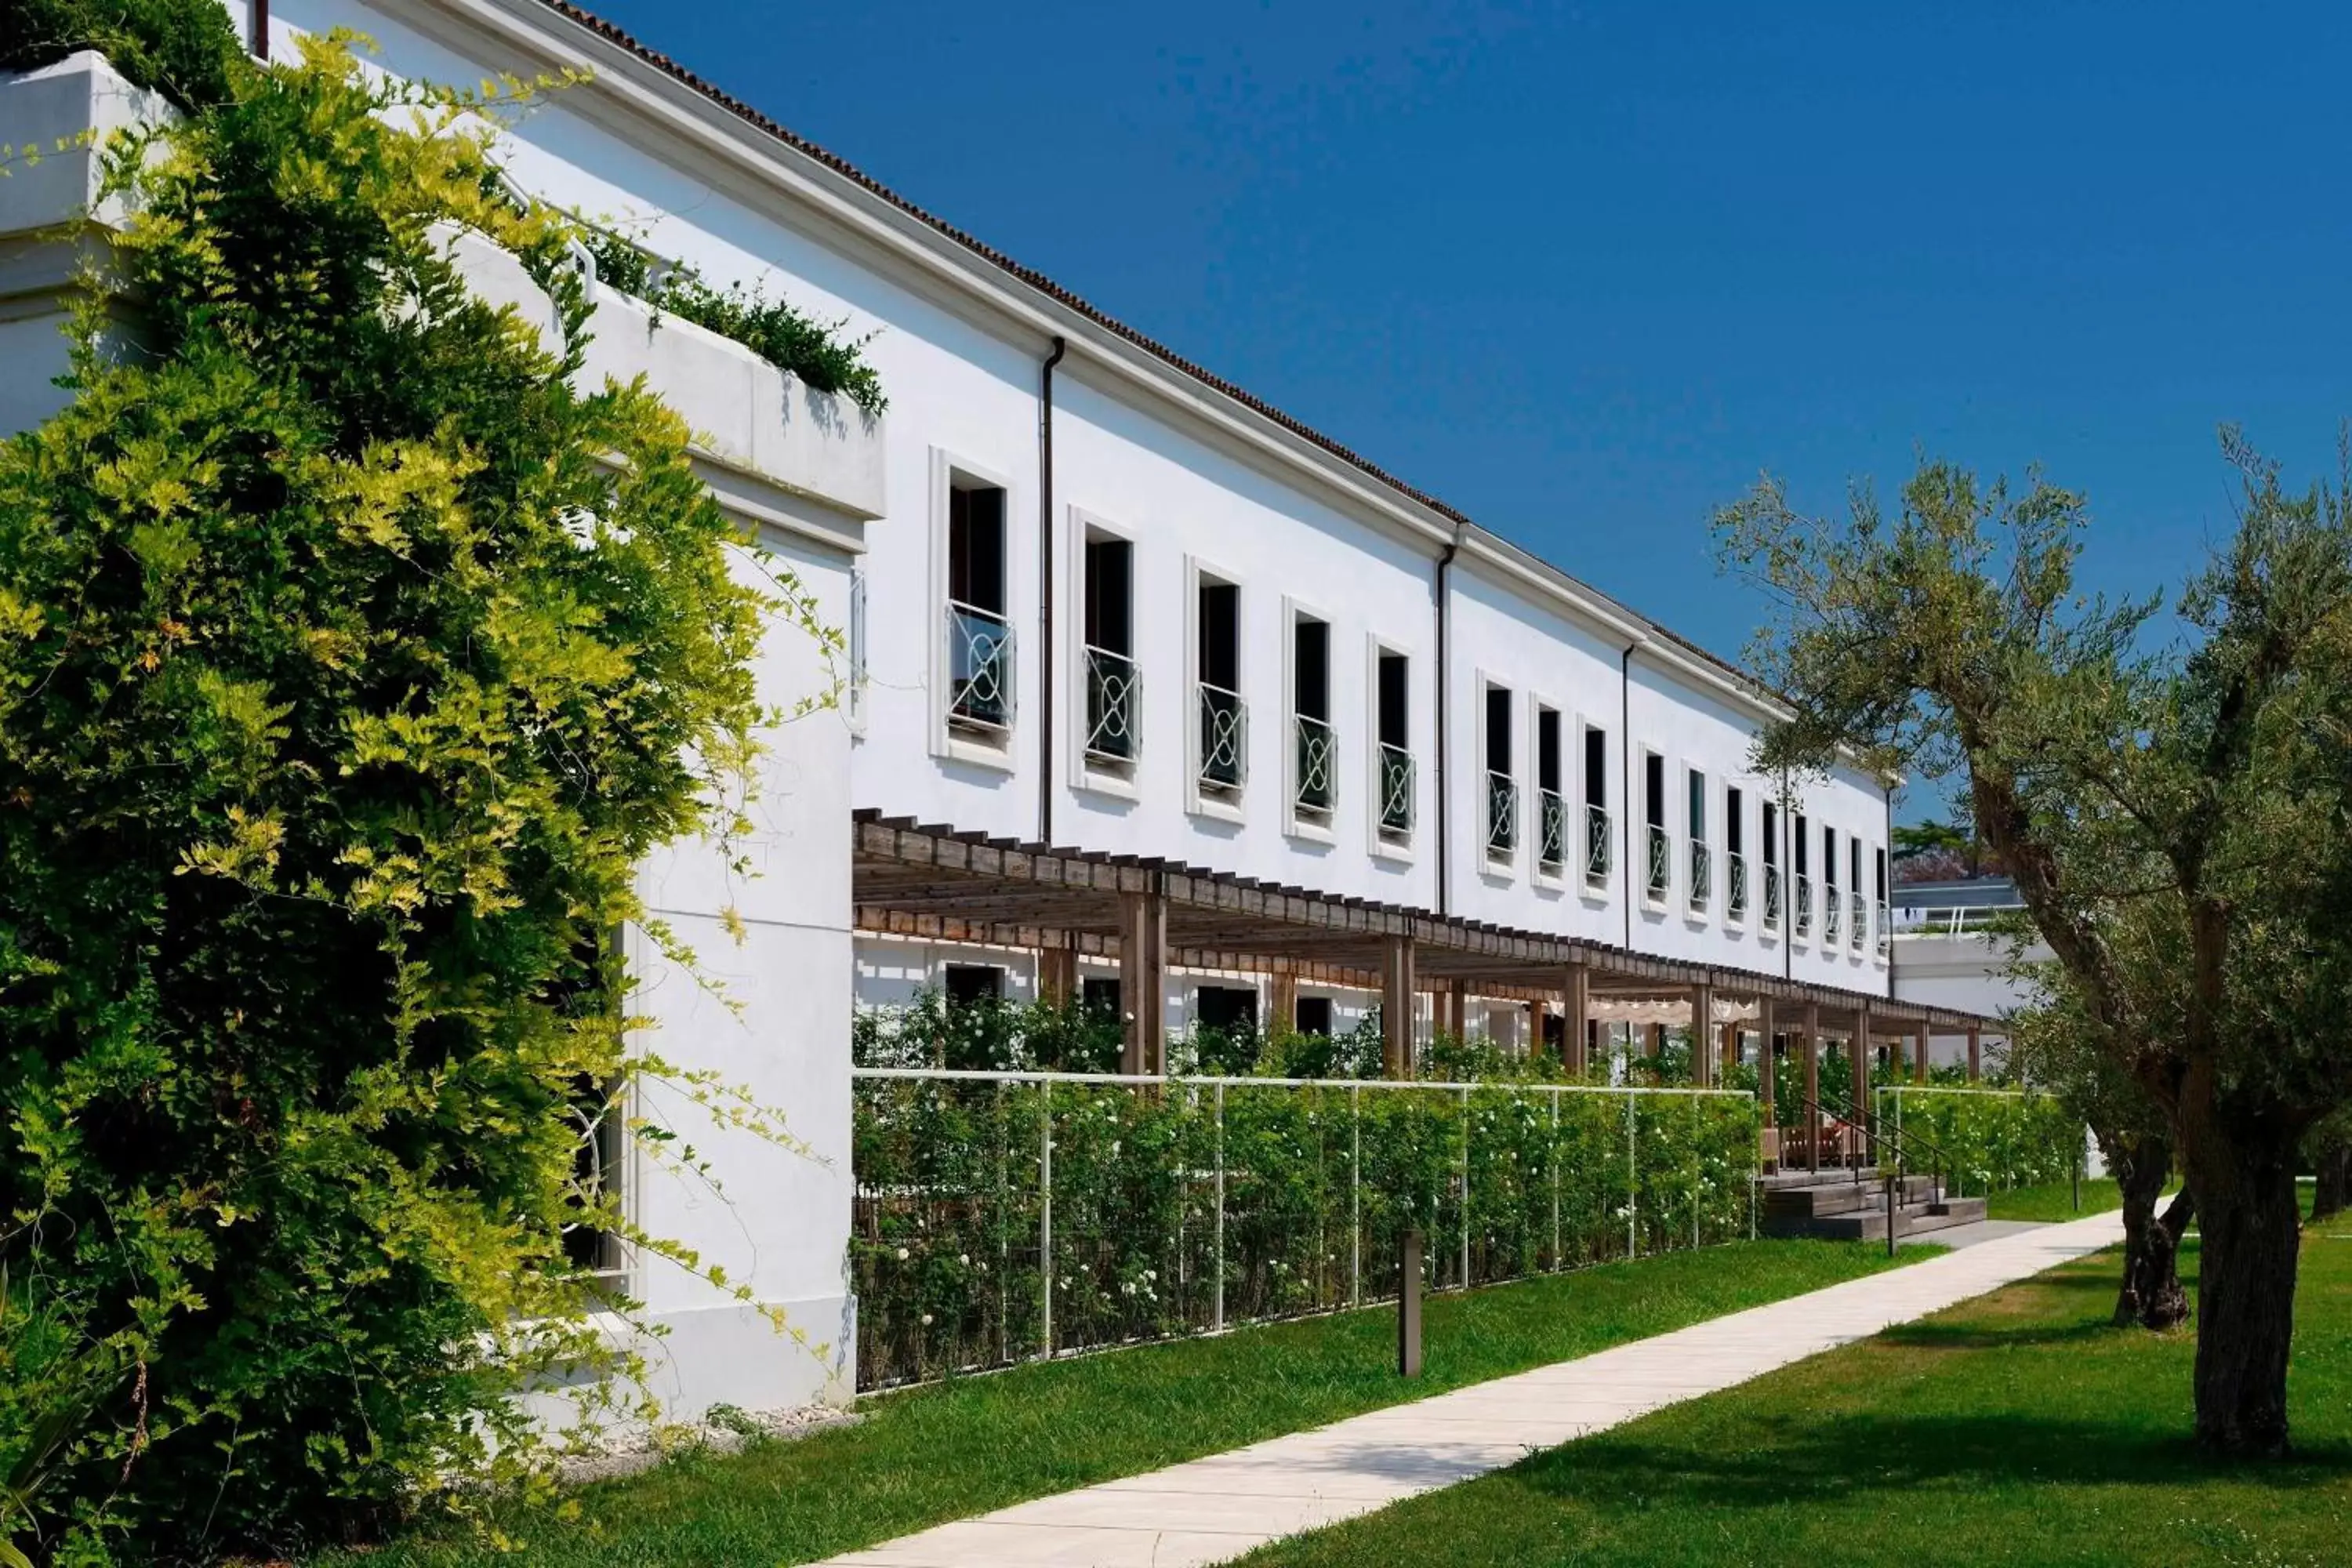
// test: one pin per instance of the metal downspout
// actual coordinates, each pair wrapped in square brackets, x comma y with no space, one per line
[1046,652]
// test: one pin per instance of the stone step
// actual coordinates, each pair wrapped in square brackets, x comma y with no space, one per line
[1840,1197]
[1870,1224]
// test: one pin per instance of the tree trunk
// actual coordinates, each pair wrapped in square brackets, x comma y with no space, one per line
[2151,1294]
[2334,1188]
[2248,1225]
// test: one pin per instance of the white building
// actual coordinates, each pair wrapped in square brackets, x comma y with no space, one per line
[1102,601]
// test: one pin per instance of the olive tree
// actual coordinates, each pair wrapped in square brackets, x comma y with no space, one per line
[1951,638]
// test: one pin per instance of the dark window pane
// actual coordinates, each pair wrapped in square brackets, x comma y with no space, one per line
[1315,1015]
[1220,630]
[1311,669]
[976,548]
[1498,729]
[1395,701]
[1548,749]
[969,982]
[1596,767]
[1111,591]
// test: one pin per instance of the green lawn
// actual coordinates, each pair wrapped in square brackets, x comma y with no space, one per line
[932,1455]
[2056,1201]
[2018,1429]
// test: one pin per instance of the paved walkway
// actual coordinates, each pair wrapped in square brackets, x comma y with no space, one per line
[1221,1507]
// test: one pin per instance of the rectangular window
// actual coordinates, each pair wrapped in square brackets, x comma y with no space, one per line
[1217,674]
[1734,824]
[1596,767]
[1658,863]
[1697,781]
[1314,744]
[1701,854]
[1599,838]
[1654,789]
[1392,769]
[1768,833]
[1801,837]
[1099,993]
[1113,686]
[1502,786]
[1829,857]
[979,635]
[966,983]
[1854,864]
[1881,876]
[1551,805]
[1315,1015]
[1230,1008]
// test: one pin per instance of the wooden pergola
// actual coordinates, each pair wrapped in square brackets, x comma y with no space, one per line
[931,882]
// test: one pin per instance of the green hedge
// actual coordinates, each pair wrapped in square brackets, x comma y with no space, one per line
[1302,1192]
[1992,1141]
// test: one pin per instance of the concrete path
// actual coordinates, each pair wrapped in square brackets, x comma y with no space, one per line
[1218,1507]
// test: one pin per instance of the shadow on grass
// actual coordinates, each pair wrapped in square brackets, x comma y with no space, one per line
[1808,1457]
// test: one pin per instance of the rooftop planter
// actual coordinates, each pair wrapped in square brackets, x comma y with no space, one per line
[759,430]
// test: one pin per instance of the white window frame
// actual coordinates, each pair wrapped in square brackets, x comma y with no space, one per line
[1085,774]
[856,700]
[945,741]
[1656,903]
[1571,759]
[1496,868]
[1611,752]
[1198,803]
[1296,824]
[1698,915]
[1378,844]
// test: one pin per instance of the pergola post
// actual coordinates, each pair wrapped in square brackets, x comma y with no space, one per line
[1143,979]
[1813,1037]
[1576,1008]
[1764,1075]
[1731,1035]
[1457,1011]
[1975,1058]
[1057,973]
[1285,1010]
[1397,1005]
[1919,1055]
[1657,1041]
[1702,1029]
[1858,1066]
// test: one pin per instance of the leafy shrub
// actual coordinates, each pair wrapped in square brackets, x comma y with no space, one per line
[345,679]
[1992,1141]
[786,338]
[185,49]
[1273,1198]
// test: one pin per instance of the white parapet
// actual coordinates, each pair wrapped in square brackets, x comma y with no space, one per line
[749,419]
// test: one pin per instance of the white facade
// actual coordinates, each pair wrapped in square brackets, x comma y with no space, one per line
[1205,488]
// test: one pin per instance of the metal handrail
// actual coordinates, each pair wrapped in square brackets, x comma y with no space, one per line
[1735,885]
[1552,845]
[1318,776]
[1502,813]
[1114,706]
[1600,845]
[979,667]
[1662,870]
[1225,737]
[1702,873]
[1396,781]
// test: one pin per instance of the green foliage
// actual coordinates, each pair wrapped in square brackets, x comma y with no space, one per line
[1290,1199]
[351,661]
[785,337]
[1989,1142]
[185,49]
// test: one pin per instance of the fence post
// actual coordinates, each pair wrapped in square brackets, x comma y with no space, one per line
[1698,1173]
[1217,1319]
[1553,1161]
[1409,1303]
[1632,1177]
[1355,1196]
[1465,1189]
[1045,1215]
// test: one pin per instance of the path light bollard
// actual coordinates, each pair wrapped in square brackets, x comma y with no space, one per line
[1409,1303]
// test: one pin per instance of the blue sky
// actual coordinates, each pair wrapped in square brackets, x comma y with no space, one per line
[1584,272]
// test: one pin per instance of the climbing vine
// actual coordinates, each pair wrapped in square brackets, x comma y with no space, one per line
[352,660]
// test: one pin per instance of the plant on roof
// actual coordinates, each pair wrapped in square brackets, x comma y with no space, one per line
[788,339]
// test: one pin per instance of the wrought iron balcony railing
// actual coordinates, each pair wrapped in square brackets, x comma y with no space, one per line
[1702,875]
[1225,739]
[1857,916]
[1832,908]
[1318,748]
[1396,792]
[1502,814]
[1735,886]
[1114,706]
[1600,845]
[1552,841]
[1885,931]
[1804,922]
[1771,916]
[979,669]
[1660,876]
